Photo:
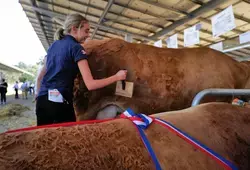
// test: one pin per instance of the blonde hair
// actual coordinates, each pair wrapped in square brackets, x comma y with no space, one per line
[72,20]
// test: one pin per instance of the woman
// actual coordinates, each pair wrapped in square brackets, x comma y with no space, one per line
[65,57]
[3,91]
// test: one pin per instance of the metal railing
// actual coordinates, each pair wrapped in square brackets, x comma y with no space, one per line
[219,92]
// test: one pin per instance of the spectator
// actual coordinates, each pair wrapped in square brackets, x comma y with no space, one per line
[3,91]
[24,88]
[32,88]
[28,87]
[16,87]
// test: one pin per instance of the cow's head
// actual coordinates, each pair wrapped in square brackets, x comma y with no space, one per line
[90,104]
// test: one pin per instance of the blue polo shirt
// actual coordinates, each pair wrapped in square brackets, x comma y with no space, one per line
[61,67]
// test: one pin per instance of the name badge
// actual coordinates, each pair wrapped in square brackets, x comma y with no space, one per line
[55,96]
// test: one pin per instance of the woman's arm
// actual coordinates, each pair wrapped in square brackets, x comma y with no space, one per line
[96,84]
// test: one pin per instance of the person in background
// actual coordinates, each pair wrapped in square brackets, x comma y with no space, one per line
[3,91]
[24,88]
[32,85]
[28,87]
[65,58]
[16,87]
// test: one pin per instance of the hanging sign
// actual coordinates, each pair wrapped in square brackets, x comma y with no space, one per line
[172,42]
[223,22]
[158,43]
[192,35]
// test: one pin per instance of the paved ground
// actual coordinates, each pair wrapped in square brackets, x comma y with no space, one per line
[25,119]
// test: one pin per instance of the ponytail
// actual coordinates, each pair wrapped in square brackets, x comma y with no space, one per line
[59,34]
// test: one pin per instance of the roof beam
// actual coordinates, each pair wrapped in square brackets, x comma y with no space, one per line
[33,2]
[45,23]
[239,53]
[49,36]
[45,28]
[105,31]
[106,36]
[47,32]
[187,14]
[129,18]
[239,17]
[244,52]
[195,14]
[46,19]
[144,12]
[63,16]
[164,6]
[92,15]
[108,6]
[233,55]
[177,11]
[219,10]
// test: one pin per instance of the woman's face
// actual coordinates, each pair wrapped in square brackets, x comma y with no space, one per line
[83,33]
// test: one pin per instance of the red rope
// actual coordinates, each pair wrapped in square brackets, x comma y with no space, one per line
[60,125]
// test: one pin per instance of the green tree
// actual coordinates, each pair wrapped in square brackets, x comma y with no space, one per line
[26,77]
[29,68]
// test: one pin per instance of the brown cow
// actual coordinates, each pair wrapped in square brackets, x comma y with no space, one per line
[164,79]
[116,144]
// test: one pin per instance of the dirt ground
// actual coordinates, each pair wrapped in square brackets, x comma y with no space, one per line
[25,119]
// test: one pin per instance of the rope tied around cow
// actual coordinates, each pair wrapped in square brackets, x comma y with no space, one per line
[142,122]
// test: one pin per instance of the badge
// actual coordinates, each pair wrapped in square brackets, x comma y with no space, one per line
[55,96]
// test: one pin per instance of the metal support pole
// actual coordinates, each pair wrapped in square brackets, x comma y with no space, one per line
[219,92]
[110,2]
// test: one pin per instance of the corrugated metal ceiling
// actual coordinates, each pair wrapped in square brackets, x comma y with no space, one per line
[146,20]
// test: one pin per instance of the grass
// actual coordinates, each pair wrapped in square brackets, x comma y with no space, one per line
[12,110]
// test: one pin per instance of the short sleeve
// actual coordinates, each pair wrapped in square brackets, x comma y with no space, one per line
[78,53]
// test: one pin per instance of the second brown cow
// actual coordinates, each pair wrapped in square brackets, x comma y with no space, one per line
[164,79]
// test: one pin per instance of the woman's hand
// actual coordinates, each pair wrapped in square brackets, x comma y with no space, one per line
[121,75]
[93,84]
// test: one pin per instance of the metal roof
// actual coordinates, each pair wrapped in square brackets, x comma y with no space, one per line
[146,20]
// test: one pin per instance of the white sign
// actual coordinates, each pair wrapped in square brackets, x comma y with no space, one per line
[128,38]
[158,43]
[223,22]
[245,37]
[172,42]
[191,36]
[217,46]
